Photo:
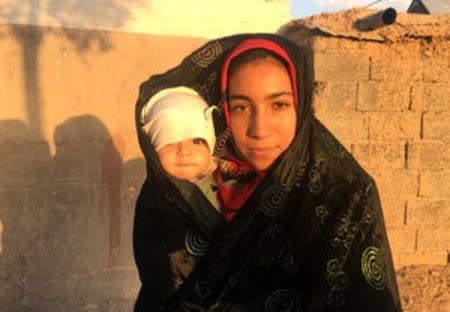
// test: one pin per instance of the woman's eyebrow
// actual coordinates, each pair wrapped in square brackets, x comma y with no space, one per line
[277,94]
[239,97]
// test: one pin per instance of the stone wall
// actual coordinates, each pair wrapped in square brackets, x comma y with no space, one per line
[385,95]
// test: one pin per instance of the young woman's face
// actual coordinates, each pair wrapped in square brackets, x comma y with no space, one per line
[189,159]
[262,111]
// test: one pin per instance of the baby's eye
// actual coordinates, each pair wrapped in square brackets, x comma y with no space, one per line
[199,141]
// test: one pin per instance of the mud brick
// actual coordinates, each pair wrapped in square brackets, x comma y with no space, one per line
[351,127]
[397,182]
[402,239]
[437,63]
[394,126]
[435,184]
[428,155]
[334,98]
[428,213]
[393,211]
[375,96]
[438,257]
[341,65]
[380,155]
[436,126]
[397,62]
[433,239]
[431,97]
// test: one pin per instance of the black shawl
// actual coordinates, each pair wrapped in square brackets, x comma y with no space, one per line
[310,238]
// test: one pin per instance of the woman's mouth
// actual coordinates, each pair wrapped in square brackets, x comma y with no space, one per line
[261,151]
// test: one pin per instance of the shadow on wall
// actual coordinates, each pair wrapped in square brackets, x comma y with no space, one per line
[67,220]
[86,14]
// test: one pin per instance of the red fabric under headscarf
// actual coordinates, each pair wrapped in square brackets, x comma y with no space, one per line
[233,196]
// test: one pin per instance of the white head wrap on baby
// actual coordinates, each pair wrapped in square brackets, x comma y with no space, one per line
[176,114]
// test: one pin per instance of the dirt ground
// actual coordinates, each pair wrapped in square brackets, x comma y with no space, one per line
[425,288]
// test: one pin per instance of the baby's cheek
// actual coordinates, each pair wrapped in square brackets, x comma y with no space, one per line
[166,161]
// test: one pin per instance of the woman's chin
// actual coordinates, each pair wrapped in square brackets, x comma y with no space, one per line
[261,165]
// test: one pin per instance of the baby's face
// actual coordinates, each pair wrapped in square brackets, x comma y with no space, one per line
[187,160]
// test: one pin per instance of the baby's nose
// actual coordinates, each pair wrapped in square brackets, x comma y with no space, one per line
[184,149]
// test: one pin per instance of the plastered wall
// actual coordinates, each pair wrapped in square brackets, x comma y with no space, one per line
[70,165]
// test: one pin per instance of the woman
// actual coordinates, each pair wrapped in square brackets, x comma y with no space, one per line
[302,228]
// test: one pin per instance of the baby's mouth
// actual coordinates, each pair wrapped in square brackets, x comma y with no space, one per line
[186,165]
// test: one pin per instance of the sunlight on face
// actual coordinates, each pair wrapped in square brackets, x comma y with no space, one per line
[189,159]
[262,111]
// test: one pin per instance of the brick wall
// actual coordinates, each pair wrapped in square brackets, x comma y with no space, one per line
[386,97]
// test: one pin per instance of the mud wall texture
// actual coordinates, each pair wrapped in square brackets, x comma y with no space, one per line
[70,166]
[385,95]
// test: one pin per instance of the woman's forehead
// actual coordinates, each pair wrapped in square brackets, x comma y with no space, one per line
[264,76]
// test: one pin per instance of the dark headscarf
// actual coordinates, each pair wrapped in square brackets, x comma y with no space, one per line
[308,238]
[244,179]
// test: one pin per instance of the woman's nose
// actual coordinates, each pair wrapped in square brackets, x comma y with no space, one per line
[258,126]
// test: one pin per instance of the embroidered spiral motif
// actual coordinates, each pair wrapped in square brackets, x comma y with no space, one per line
[221,148]
[277,230]
[372,267]
[367,217]
[333,266]
[272,199]
[322,213]
[196,244]
[207,55]
[283,300]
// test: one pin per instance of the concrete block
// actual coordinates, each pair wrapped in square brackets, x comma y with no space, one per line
[433,239]
[428,155]
[351,127]
[397,62]
[432,97]
[436,126]
[435,184]
[375,96]
[394,126]
[396,182]
[380,155]
[334,98]
[423,213]
[341,65]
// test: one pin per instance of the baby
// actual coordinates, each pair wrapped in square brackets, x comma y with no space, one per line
[180,125]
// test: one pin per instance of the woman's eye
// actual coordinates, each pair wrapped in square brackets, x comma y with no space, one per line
[238,107]
[280,105]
